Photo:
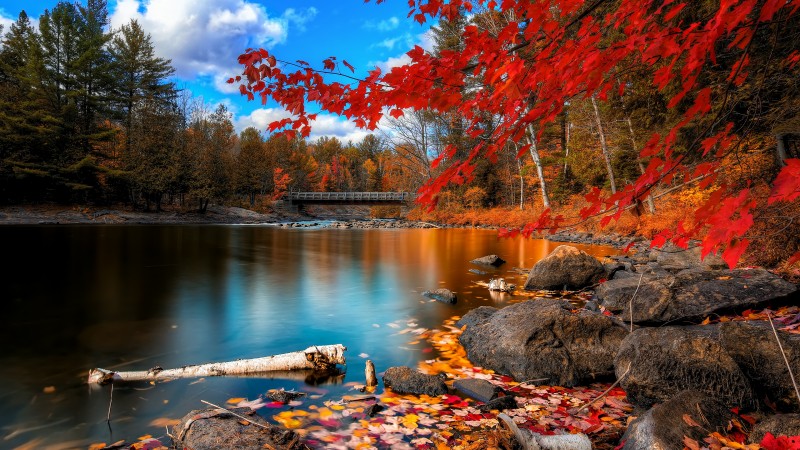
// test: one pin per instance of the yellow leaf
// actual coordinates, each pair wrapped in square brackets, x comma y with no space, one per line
[97,446]
[145,437]
[235,400]
[49,389]
[164,422]
[706,321]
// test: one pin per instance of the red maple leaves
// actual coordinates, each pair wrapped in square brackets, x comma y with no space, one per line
[527,71]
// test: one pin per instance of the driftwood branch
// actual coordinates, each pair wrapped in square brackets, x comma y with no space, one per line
[320,358]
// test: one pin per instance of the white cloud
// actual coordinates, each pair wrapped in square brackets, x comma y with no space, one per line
[424,40]
[384,25]
[5,21]
[325,125]
[203,38]
[300,19]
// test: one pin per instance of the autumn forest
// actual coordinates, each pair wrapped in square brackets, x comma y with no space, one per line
[90,115]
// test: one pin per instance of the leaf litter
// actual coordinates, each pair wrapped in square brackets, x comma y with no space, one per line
[390,420]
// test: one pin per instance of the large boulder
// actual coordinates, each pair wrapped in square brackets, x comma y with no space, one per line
[565,268]
[405,380]
[476,316]
[489,260]
[754,348]
[690,294]
[545,340]
[213,429]
[689,414]
[655,364]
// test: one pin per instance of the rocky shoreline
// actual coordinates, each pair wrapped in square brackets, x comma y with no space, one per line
[661,326]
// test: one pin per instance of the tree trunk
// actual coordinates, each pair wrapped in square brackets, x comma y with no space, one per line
[521,187]
[650,204]
[780,150]
[566,147]
[604,146]
[324,357]
[538,162]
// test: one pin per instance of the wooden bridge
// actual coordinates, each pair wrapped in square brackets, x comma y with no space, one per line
[347,198]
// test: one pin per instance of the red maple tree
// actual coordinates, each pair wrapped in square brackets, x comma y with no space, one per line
[550,52]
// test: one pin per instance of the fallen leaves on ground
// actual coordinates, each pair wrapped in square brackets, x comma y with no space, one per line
[450,421]
[787,318]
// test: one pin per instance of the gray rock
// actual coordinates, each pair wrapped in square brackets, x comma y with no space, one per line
[778,425]
[476,316]
[442,295]
[566,267]
[478,389]
[752,345]
[623,274]
[489,260]
[672,257]
[544,339]
[661,362]
[208,430]
[405,380]
[691,294]
[664,427]
[612,268]
[500,404]
[477,272]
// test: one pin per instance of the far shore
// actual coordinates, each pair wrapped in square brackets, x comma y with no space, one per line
[50,214]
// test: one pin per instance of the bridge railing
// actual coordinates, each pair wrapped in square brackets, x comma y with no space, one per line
[350,196]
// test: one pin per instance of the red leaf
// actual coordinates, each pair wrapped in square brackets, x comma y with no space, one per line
[793,259]
[734,251]
[347,64]
[787,185]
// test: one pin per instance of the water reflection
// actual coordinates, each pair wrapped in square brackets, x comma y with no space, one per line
[135,297]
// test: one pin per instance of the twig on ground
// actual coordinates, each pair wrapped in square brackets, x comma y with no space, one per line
[536,380]
[630,303]
[237,415]
[606,391]
[783,353]
[110,402]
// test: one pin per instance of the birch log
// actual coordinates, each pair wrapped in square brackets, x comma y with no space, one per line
[323,357]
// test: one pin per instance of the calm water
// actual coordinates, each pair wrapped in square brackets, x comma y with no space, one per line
[133,297]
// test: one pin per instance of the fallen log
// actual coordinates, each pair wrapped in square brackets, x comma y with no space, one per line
[318,358]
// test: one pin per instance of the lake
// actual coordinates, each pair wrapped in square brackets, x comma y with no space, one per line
[135,297]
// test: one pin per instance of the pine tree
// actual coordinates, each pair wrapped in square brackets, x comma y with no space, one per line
[139,74]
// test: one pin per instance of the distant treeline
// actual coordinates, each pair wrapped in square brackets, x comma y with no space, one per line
[89,114]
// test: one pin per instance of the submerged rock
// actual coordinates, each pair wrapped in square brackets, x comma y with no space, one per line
[543,340]
[691,294]
[442,295]
[489,260]
[405,380]
[565,268]
[212,429]
[689,414]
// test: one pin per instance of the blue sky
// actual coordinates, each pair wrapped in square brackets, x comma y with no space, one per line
[204,37]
